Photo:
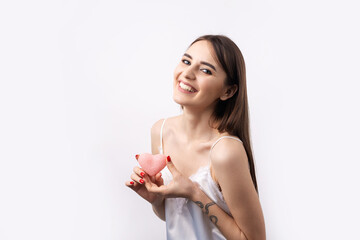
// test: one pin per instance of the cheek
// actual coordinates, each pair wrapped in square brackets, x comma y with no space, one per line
[177,71]
[211,87]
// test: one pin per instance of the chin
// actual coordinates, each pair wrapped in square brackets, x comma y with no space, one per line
[179,101]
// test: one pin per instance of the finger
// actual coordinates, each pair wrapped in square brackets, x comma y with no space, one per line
[141,173]
[171,166]
[137,179]
[149,180]
[158,176]
[153,188]
[130,184]
[159,180]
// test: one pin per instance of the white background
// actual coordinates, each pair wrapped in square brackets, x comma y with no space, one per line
[82,82]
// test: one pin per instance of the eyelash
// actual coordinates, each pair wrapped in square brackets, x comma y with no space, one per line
[207,70]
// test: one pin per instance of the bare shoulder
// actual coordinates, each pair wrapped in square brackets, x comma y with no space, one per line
[155,129]
[229,154]
[155,132]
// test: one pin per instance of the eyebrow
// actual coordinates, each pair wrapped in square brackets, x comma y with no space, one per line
[202,62]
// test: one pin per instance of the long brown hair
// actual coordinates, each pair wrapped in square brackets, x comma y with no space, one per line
[232,115]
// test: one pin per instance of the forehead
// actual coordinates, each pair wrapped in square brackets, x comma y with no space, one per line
[202,51]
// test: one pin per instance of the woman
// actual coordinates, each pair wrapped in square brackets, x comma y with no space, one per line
[208,189]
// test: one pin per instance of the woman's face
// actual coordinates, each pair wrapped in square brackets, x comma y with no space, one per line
[198,79]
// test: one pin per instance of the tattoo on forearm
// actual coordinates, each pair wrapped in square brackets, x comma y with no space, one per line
[214,219]
[200,204]
[207,207]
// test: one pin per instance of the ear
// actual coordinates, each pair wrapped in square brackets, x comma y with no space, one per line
[229,92]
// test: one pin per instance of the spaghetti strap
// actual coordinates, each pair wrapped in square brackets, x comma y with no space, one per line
[161,134]
[236,138]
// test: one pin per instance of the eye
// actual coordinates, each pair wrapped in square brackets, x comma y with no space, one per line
[206,71]
[186,61]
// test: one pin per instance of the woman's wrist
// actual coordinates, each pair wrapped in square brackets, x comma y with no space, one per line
[158,202]
[159,208]
[195,191]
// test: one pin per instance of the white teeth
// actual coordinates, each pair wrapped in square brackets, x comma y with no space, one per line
[186,87]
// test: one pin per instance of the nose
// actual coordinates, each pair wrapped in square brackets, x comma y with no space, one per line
[189,72]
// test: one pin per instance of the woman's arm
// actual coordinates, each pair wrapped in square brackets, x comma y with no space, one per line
[139,177]
[159,207]
[221,219]
[159,210]
[230,165]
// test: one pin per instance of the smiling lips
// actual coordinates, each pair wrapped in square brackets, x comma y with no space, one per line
[186,87]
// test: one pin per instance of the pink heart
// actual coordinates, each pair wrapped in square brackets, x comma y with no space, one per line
[152,164]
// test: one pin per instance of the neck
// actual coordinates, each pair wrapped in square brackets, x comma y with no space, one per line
[195,125]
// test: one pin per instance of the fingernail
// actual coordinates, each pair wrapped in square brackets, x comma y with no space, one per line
[168,158]
[160,174]
[142,174]
[137,156]
[132,183]
[141,181]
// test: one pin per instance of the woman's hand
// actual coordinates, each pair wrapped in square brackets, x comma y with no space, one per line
[180,186]
[140,179]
